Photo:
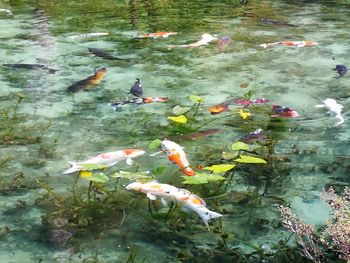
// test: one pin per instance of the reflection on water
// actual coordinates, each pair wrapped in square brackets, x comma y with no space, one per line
[45,215]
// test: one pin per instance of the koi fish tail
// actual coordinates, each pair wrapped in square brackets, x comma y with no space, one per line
[264,45]
[341,120]
[188,171]
[206,214]
[74,167]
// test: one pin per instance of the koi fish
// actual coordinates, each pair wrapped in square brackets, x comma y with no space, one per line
[169,193]
[87,35]
[139,101]
[136,89]
[341,70]
[2,10]
[334,108]
[205,40]
[102,54]
[291,44]
[108,159]
[177,156]
[269,21]
[157,34]
[223,42]
[31,66]
[280,111]
[89,81]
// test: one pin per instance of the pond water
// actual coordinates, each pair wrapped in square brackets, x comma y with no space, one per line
[43,126]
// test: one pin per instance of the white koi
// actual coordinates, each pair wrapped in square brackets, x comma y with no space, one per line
[2,10]
[205,40]
[177,156]
[86,35]
[334,108]
[108,159]
[171,193]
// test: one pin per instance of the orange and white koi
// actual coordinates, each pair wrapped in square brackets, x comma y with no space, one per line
[291,44]
[177,156]
[171,193]
[157,34]
[108,159]
[205,40]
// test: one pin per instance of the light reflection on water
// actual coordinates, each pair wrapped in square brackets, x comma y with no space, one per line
[84,125]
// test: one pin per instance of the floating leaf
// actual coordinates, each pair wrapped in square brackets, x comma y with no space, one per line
[179,119]
[130,175]
[220,168]
[213,177]
[155,144]
[228,155]
[202,178]
[249,159]
[178,110]
[196,99]
[100,178]
[93,166]
[240,146]
[85,173]
[197,179]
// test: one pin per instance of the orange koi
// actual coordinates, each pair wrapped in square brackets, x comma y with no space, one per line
[291,44]
[216,109]
[177,156]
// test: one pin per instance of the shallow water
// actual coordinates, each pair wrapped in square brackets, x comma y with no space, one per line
[52,127]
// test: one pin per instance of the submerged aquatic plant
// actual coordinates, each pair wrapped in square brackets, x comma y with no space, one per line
[336,235]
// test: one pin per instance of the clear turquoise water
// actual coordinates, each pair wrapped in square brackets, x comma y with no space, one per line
[53,127]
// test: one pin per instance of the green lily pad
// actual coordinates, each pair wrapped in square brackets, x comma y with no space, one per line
[196,99]
[214,177]
[178,110]
[179,119]
[100,178]
[93,166]
[155,144]
[239,146]
[197,179]
[220,168]
[250,159]
[228,155]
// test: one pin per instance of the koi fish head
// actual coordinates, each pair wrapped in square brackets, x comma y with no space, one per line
[310,43]
[135,186]
[100,73]
[132,153]
[188,171]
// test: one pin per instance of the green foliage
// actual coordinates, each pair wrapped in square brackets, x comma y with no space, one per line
[99,178]
[220,168]
[250,159]
[240,146]
[155,144]
[93,166]
[196,99]
[179,119]
[202,178]
[178,110]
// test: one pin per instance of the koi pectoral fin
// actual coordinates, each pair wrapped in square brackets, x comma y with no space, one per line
[156,153]
[151,197]
[129,161]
